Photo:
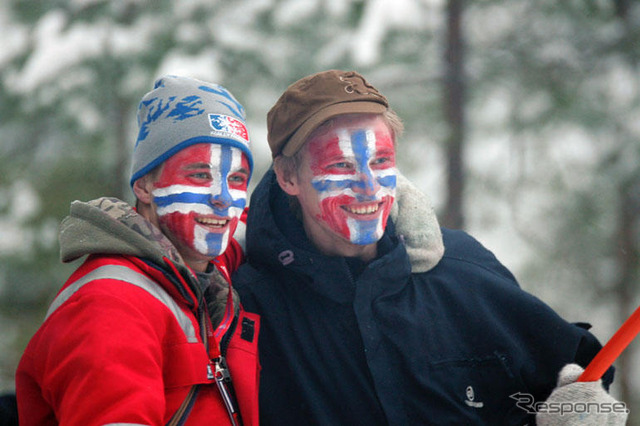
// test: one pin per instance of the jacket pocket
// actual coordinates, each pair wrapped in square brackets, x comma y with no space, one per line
[478,390]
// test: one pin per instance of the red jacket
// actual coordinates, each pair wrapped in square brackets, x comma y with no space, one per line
[116,352]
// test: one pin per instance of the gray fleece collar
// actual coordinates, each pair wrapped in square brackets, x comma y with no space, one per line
[111,226]
[416,222]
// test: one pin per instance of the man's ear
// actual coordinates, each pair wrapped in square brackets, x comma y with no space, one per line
[142,188]
[287,181]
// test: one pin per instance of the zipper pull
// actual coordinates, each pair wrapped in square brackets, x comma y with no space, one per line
[210,375]
[223,381]
[222,371]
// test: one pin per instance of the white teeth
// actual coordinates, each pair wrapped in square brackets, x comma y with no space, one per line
[212,222]
[364,210]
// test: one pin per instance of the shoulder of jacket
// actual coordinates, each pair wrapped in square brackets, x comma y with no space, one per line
[128,270]
[463,249]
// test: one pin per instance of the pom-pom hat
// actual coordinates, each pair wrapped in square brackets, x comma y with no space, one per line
[180,112]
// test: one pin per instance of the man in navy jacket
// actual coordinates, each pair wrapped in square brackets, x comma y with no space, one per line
[373,315]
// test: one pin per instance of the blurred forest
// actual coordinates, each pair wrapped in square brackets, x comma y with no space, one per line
[522,124]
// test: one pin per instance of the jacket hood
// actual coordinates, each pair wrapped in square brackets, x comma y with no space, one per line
[412,215]
[111,226]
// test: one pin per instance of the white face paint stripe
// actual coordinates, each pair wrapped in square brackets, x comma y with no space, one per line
[354,226]
[340,177]
[370,137]
[391,171]
[379,173]
[234,166]
[215,160]
[185,208]
[200,239]
[348,191]
[344,143]
[236,160]
[178,189]
[236,194]
[214,188]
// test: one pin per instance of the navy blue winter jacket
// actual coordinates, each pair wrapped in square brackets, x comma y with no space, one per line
[346,343]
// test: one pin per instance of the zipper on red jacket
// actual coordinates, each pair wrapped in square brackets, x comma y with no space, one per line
[227,326]
[225,387]
[216,342]
[223,335]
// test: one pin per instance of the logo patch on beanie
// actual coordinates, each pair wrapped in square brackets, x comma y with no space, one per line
[228,127]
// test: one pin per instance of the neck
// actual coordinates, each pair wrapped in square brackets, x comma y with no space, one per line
[331,244]
[197,265]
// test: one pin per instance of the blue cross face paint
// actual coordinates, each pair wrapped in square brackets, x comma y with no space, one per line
[200,195]
[353,175]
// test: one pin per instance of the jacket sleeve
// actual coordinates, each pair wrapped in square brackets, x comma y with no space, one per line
[547,342]
[588,348]
[98,359]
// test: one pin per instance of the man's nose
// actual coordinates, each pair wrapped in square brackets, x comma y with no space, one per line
[221,200]
[366,183]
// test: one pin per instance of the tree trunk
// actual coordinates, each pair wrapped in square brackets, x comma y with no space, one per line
[454,114]
[121,169]
[628,258]
[628,254]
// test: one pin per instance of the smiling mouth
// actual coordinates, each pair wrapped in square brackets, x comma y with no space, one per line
[212,223]
[363,210]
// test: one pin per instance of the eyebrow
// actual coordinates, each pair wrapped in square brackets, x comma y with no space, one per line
[386,151]
[194,166]
[337,157]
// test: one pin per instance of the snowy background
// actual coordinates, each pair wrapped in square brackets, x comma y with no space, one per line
[551,131]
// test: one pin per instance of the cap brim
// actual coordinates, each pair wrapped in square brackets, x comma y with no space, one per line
[300,136]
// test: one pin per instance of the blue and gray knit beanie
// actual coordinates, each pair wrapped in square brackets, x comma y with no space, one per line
[180,112]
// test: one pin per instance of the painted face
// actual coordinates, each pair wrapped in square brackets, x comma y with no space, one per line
[353,175]
[200,195]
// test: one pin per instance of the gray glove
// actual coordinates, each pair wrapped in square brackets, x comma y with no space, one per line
[580,403]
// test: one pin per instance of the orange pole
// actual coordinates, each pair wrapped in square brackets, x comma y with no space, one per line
[614,347]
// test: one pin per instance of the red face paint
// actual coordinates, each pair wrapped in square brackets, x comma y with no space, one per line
[352,178]
[200,195]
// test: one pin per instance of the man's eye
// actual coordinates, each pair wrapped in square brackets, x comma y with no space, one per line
[203,175]
[381,161]
[237,179]
[341,165]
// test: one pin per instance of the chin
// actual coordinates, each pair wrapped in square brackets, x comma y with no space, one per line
[366,241]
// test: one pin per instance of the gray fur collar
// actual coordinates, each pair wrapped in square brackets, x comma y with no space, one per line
[416,223]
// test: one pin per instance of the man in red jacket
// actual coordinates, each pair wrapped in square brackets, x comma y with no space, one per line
[146,331]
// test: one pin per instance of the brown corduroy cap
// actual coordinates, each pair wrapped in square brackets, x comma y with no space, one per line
[314,99]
